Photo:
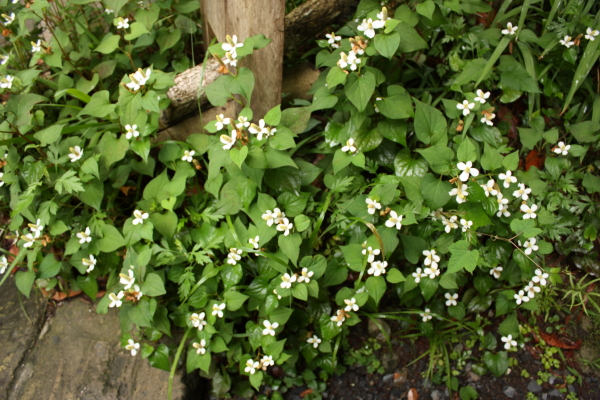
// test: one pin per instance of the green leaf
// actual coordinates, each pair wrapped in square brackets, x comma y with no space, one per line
[397,106]
[353,256]
[290,245]
[514,76]
[462,257]
[49,135]
[68,183]
[430,124]
[376,287]
[49,267]
[435,191]
[492,60]
[410,38]
[256,379]
[387,45]
[466,151]
[24,281]
[491,158]
[587,61]
[413,247]
[468,393]
[93,194]
[360,89]
[335,76]
[428,288]
[239,155]
[111,239]
[242,83]
[278,158]
[511,161]
[496,363]
[137,29]
[525,227]
[329,328]
[295,118]
[218,91]
[109,44]
[88,284]
[234,300]
[153,285]
[283,139]
[426,8]
[165,224]
[340,160]
[395,276]
[300,292]
[440,158]
[529,137]
[406,166]
[160,358]
[167,39]
[273,117]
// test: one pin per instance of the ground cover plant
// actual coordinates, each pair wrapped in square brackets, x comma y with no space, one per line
[449,147]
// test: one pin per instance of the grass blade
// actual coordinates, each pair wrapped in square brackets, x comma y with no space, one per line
[495,56]
[590,55]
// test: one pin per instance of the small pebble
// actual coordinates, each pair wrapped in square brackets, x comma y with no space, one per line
[509,391]
[534,387]
[436,395]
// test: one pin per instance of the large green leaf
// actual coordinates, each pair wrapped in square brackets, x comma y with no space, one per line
[430,124]
[359,89]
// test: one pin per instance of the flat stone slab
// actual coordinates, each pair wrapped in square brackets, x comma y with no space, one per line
[78,356]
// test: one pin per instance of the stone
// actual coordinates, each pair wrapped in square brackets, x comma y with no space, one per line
[389,361]
[387,378]
[534,387]
[509,391]
[473,377]
[436,395]
[375,330]
[554,394]
[572,389]
[400,378]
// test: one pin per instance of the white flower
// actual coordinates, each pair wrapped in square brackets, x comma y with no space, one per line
[284,226]
[465,225]
[529,211]
[305,275]
[6,82]
[372,205]
[425,315]
[521,297]
[132,346]
[8,19]
[277,294]
[242,122]
[450,223]
[90,263]
[198,320]
[368,26]
[222,121]
[394,220]
[591,34]
[540,277]
[431,258]
[109,10]
[460,192]
[481,96]
[217,309]
[232,45]
[509,342]
[36,228]
[230,59]
[467,169]
[339,317]
[522,192]
[314,341]
[200,347]
[266,361]
[502,206]
[418,275]
[188,155]
[234,256]
[496,272]
[432,271]
[451,299]
[487,118]
[229,141]
[131,131]
[377,268]
[287,280]
[29,240]
[349,60]
[531,290]
[115,299]
[371,253]
[75,153]
[349,147]
[530,246]
[254,242]
[251,366]
[4,59]
[269,328]
[136,292]
[383,16]
[510,29]
[566,41]
[561,148]
[260,130]
[268,217]
[140,216]
[466,107]
[138,79]
[84,237]
[1,181]
[36,46]
[351,305]
[127,280]
[3,265]
[332,38]
[488,188]
[507,178]
[122,23]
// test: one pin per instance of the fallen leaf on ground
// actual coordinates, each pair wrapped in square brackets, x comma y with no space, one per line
[413,394]
[552,340]
[306,392]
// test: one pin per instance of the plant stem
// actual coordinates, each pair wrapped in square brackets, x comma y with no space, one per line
[175,362]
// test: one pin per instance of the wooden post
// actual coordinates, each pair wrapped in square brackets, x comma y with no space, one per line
[246,18]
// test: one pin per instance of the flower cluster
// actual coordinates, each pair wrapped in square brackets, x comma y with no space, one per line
[138,79]
[278,218]
[529,291]
[231,50]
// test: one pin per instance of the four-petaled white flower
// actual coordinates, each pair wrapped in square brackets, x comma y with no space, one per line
[529,211]
[349,147]
[36,228]
[489,188]
[521,297]
[89,262]
[115,299]
[332,38]
[349,60]
[432,271]
[305,275]
[242,122]
[138,79]
[6,82]
[122,23]
[507,178]
[567,41]
[510,29]
[467,170]
[418,275]
[285,226]
[200,347]
[85,236]
[273,217]
[561,148]
[109,10]
[140,216]
[509,342]
[251,367]
[8,19]
[217,309]
[425,315]
[339,317]
[127,280]
[188,155]
[451,299]
[350,305]
[232,45]
[254,242]
[229,141]
[522,192]
[287,280]
[371,253]
[540,277]
[29,240]
[368,26]
[482,96]
[3,265]
[266,361]
[131,131]
[531,290]
[450,223]
[431,258]
[234,256]
[222,121]
[466,107]
[590,34]
[496,272]
[132,346]
[315,341]
[461,193]
[269,328]
[198,320]
[394,220]
[502,206]
[36,46]
[230,59]
[530,246]
[487,118]
[75,153]
[377,268]
[261,129]
[372,205]
[465,225]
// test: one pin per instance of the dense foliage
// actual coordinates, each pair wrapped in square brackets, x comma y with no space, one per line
[459,149]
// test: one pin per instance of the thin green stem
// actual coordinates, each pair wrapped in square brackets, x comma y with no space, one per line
[175,362]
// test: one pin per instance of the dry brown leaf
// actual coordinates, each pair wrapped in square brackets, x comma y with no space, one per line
[413,394]
[306,392]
